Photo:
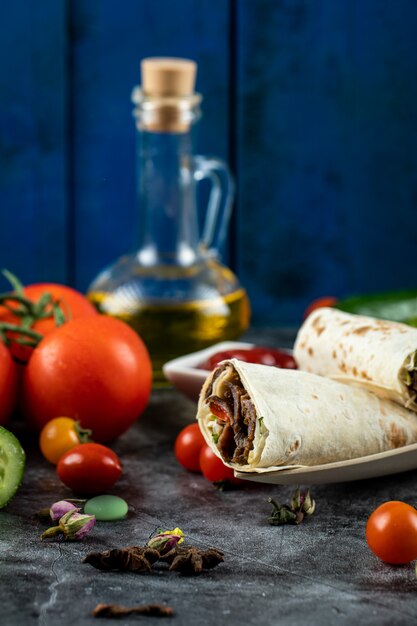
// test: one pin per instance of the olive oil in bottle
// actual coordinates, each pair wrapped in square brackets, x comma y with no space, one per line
[172,329]
[173,290]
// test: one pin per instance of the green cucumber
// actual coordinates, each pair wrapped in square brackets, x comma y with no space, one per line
[12,465]
[398,306]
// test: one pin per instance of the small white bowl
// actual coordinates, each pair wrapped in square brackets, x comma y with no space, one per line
[186,375]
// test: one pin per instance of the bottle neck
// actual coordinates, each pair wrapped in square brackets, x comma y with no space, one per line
[168,229]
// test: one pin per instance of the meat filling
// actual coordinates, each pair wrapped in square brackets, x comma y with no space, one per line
[216,374]
[236,415]
[409,378]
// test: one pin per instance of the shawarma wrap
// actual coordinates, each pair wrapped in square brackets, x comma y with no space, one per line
[376,354]
[259,418]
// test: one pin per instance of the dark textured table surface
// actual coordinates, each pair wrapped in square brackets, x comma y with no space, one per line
[320,572]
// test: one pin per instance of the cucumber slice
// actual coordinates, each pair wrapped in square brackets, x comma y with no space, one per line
[12,465]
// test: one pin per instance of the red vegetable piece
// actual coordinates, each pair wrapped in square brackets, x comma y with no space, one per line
[89,468]
[326,301]
[219,411]
[258,354]
[214,470]
[187,447]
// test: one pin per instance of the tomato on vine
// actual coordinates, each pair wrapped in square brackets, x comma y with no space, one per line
[8,384]
[95,370]
[60,435]
[28,313]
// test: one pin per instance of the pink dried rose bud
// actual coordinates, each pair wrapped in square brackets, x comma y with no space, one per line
[84,523]
[165,541]
[58,509]
[72,525]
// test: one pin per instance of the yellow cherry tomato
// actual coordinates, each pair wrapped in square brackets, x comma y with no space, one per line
[60,435]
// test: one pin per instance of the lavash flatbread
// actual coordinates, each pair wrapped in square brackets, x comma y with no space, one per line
[376,354]
[304,419]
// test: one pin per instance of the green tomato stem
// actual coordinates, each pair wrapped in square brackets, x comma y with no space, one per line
[4,326]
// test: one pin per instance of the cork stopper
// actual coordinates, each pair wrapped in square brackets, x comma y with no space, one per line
[166,101]
[165,76]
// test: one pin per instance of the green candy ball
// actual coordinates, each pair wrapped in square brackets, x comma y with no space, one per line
[106,508]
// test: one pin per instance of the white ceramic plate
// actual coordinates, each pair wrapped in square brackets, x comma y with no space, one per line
[185,374]
[372,466]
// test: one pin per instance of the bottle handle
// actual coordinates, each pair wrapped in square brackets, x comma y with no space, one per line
[220,201]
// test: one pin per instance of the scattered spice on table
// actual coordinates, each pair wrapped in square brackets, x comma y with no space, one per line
[116,611]
[130,559]
[192,560]
[163,548]
[301,505]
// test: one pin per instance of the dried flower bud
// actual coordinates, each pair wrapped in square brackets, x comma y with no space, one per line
[166,541]
[73,525]
[301,505]
[80,525]
[309,505]
[281,514]
[302,502]
[296,500]
[58,509]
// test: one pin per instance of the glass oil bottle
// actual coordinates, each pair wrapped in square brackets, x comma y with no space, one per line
[174,290]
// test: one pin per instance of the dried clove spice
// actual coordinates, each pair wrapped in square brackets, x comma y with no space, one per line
[301,505]
[191,560]
[130,559]
[116,611]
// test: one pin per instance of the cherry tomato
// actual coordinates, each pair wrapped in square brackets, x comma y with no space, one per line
[95,370]
[391,532]
[8,384]
[73,304]
[265,356]
[89,469]
[319,303]
[187,447]
[57,437]
[213,468]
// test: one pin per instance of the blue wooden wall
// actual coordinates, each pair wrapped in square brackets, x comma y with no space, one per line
[312,102]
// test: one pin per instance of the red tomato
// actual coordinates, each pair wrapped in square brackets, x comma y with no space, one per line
[73,304]
[8,384]
[265,356]
[213,468]
[319,303]
[89,469]
[391,532]
[187,447]
[95,370]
